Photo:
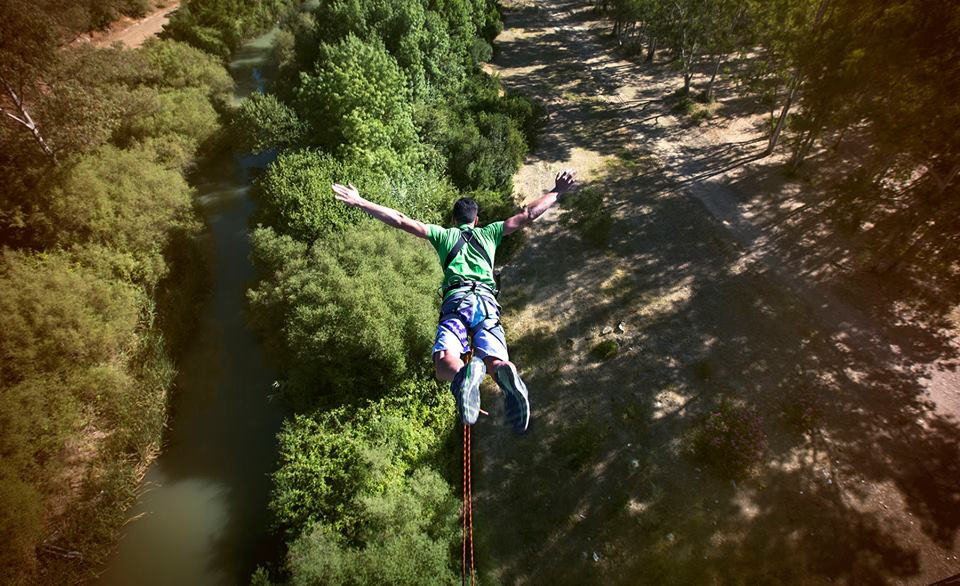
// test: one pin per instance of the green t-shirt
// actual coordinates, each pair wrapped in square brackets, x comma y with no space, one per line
[468,264]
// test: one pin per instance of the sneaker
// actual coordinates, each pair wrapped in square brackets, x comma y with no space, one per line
[466,390]
[515,397]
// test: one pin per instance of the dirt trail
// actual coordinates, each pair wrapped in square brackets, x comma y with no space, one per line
[132,33]
[707,296]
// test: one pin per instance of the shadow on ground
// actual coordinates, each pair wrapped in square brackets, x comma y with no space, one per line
[603,489]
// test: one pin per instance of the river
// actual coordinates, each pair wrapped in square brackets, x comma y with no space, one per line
[202,518]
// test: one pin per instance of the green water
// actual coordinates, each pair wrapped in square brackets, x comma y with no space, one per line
[203,517]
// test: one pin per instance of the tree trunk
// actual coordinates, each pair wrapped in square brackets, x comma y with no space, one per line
[805,144]
[651,49]
[25,120]
[794,84]
[716,69]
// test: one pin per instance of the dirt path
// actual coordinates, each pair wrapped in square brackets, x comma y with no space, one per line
[707,296]
[134,32]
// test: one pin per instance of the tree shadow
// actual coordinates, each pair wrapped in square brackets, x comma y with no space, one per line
[855,499]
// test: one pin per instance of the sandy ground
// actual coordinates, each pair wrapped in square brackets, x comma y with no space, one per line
[710,292]
[130,32]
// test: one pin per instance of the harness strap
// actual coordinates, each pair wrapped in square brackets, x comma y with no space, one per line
[467,237]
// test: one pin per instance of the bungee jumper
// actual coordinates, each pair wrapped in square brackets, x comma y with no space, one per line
[469,313]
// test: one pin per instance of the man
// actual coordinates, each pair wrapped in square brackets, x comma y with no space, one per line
[469,305]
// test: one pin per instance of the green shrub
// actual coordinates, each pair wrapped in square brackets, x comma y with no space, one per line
[357,102]
[730,440]
[185,113]
[329,461]
[405,539]
[357,313]
[69,338]
[21,522]
[296,198]
[483,151]
[585,212]
[430,49]
[123,201]
[605,350]
[219,26]
[262,122]
[176,65]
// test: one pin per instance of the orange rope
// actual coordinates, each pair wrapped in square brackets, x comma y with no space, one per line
[467,509]
[470,503]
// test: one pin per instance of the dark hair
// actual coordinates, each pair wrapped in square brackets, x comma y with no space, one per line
[465,211]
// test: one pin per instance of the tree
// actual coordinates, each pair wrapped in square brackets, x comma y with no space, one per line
[357,103]
[28,42]
[262,122]
[358,311]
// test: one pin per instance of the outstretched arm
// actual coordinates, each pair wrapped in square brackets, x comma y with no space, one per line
[349,195]
[564,183]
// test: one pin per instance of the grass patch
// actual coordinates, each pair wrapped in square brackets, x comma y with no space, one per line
[586,213]
[605,350]
[536,347]
[579,445]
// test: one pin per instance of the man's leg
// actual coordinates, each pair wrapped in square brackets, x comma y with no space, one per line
[447,364]
[492,345]
[464,379]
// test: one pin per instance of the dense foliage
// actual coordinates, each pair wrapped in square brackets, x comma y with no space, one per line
[98,232]
[219,26]
[357,310]
[390,97]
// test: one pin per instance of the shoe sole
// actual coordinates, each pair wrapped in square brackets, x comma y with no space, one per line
[513,386]
[468,403]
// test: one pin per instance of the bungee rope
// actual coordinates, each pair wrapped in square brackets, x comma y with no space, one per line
[467,509]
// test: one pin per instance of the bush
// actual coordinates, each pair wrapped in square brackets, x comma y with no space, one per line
[120,200]
[357,103]
[296,198]
[21,522]
[330,461]
[406,535]
[483,151]
[605,350]
[585,212]
[730,440]
[358,312]
[431,52]
[185,115]
[68,338]
[262,122]
[176,65]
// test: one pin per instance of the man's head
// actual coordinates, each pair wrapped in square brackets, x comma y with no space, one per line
[465,211]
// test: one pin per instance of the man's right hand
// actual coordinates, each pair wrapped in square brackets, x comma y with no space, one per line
[348,194]
[564,182]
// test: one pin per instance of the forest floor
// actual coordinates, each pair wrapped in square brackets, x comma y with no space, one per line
[715,287]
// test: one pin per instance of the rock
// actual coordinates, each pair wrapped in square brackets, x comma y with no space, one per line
[596,557]
[607,330]
[621,327]
[635,463]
